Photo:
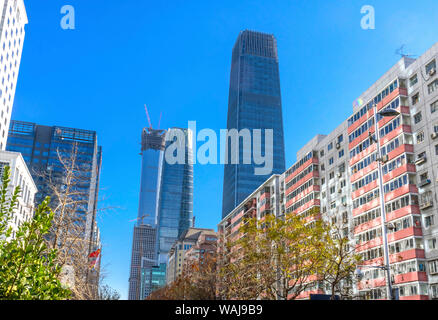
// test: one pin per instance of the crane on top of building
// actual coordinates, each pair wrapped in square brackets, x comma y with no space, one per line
[149,118]
[140,218]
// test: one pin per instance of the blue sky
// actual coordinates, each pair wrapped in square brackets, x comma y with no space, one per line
[175,56]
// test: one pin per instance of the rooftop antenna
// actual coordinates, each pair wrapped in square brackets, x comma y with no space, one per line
[401,52]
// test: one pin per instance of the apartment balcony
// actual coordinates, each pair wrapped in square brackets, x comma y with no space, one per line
[407,168]
[310,175]
[426,204]
[417,297]
[407,255]
[408,188]
[393,134]
[369,244]
[313,160]
[405,233]
[371,283]
[402,212]
[424,183]
[303,194]
[420,160]
[409,277]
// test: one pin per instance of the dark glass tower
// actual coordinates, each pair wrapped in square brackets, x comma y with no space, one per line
[254,102]
[44,148]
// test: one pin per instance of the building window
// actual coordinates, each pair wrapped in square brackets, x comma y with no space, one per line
[331,161]
[331,175]
[430,66]
[330,146]
[432,87]
[415,99]
[428,221]
[413,80]
[434,107]
[332,190]
[321,153]
[418,117]
[340,138]
[420,137]
[341,153]
[431,243]
[433,266]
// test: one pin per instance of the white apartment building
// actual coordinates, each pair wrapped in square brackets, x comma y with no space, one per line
[13,19]
[20,176]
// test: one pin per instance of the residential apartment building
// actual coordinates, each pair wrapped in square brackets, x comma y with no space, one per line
[20,177]
[13,19]
[338,175]
[193,244]
[268,198]
[50,152]
[254,103]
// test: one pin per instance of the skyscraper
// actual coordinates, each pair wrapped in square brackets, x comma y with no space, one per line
[13,18]
[175,202]
[165,211]
[144,243]
[41,148]
[254,103]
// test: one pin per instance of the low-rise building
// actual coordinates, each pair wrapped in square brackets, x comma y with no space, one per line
[193,243]
[20,177]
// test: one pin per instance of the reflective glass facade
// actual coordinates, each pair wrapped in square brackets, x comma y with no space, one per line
[144,255]
[175,206]
[254,103]
[41,146]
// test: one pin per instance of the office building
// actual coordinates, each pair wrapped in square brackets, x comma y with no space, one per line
[175,201]
[13,19]
[254,102]
[165,210]
[144,245]
[49,152]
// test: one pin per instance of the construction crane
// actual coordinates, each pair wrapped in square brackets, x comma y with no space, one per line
[149,118]
[142,218]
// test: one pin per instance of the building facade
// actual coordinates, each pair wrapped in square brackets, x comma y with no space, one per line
[254,103]
[165,210]
[49,153]
[20,177]
[144,245]
[13,19]
[175,200]
[189,246]
[338,175]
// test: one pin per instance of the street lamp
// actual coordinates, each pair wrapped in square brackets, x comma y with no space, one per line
[385,113]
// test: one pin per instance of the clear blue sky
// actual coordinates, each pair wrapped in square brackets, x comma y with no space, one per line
[175,56]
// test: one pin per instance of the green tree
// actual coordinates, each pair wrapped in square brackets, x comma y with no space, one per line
[275,258]
[27,267]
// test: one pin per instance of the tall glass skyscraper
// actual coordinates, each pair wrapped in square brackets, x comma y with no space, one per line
[144,254]
[254,102]
[175,202]
[44,148]
[165,211]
